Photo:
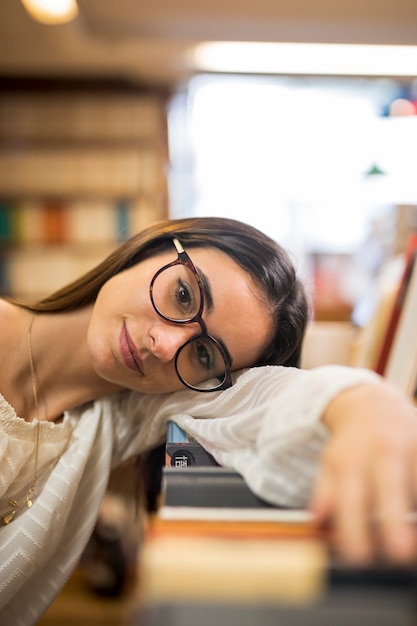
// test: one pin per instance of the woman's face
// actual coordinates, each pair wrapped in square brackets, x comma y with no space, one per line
[132,346]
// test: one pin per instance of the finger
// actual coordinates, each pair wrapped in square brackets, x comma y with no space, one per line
[352,531]
[394,499]
[322,501]
[322,505]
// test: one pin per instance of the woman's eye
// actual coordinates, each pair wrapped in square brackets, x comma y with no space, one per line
[184,298]
[204,356]
[183,294]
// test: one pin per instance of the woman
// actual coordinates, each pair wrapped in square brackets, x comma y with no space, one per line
[89,378]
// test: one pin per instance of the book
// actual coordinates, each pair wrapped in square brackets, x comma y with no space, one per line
[209,486]
[231,562]
[234,520]
[92,221]
[6,222]
[396,307]
[182,450]
[54,221]
[401,368]
[361,609]
[82,115]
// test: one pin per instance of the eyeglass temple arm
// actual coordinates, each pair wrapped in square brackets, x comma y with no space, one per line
[178,246]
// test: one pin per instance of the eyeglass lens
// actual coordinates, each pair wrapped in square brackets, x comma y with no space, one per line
[176,296]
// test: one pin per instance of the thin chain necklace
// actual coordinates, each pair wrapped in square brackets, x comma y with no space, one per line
[28,498]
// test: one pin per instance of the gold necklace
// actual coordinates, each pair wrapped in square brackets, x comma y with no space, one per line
[28,499]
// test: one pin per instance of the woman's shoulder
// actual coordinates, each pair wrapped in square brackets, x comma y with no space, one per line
[14,427]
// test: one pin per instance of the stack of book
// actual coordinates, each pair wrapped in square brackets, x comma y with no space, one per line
[222,541]
[192,479]
[214,552]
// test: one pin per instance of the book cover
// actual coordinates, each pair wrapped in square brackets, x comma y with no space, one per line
[210,486]
[54,216]
[397,307]
[184,451]
[401,367]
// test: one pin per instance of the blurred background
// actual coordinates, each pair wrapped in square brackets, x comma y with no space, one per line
[302,121]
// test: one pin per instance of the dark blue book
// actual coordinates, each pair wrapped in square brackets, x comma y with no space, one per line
[183,451]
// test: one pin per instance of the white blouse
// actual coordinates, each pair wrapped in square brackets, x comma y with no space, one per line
[267,427]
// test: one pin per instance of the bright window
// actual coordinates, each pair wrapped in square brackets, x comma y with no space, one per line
[290,156]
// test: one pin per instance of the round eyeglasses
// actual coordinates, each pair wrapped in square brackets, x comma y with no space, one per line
[177,295]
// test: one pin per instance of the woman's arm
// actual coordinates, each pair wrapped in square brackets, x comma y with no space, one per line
[337,439]
[367,479]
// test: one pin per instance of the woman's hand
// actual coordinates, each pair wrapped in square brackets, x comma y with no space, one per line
[366,490]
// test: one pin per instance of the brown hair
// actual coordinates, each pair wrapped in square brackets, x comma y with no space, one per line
[262,258]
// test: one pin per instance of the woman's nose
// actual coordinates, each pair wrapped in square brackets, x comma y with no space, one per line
[168,337]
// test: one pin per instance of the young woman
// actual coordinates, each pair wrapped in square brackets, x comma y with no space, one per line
[212,310]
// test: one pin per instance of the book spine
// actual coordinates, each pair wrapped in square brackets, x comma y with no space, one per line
[401,367]
[382,359]
[182,450]
[207,487]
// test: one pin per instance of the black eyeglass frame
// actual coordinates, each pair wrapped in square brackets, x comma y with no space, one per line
[184,259]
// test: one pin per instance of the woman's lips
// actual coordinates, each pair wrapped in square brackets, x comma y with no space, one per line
[129,351]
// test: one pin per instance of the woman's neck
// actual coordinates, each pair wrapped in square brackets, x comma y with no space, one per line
[62,374]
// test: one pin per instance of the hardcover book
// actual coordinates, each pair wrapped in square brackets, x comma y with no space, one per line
[184,451]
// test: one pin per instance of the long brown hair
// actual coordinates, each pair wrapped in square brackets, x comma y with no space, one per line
[263,259]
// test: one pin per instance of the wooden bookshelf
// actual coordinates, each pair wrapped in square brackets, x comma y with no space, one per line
[82,167]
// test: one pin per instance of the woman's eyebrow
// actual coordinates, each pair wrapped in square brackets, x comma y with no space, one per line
[209,305]
[205,283]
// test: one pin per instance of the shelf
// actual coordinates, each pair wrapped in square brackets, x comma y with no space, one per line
[113,172]
[81,116]
[80,170]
